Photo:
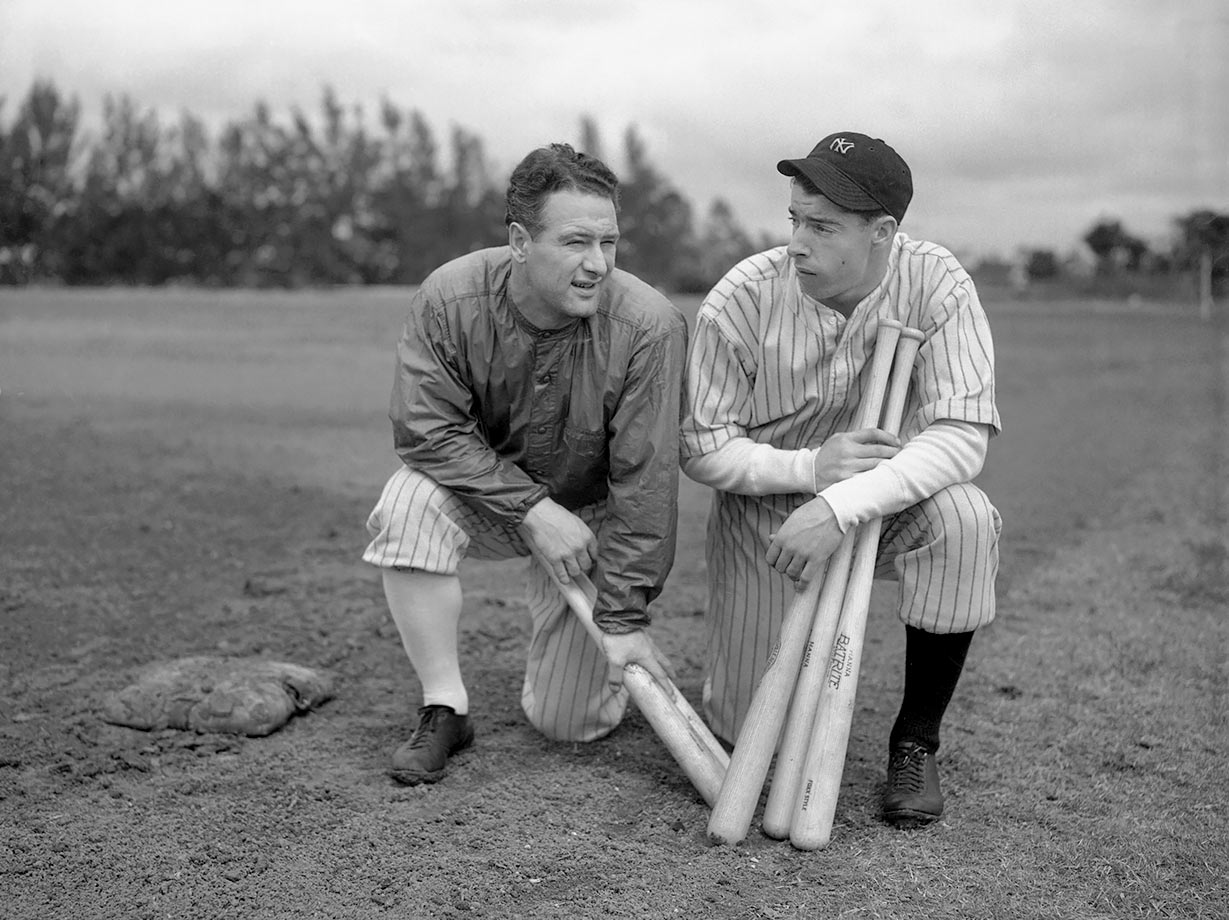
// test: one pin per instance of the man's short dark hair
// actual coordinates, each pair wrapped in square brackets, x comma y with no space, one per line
[554,168]
[812,189]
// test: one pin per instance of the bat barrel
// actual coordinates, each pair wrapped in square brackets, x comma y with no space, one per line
[819,785]
[757,740]
[779,809]
[685,743]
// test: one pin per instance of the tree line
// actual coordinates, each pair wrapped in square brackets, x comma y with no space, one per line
[295,201]
[331,199]
[1193,262]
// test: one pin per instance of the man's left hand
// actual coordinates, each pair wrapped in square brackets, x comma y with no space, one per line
[635,648]
[805,541]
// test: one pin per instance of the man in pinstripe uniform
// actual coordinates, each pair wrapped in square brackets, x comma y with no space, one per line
[535,408]
[778,364]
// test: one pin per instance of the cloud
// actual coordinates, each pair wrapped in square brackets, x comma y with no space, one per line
[1023,120]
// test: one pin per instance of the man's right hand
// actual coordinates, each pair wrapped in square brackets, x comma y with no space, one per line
[635,647]
[849,453]
[562,540]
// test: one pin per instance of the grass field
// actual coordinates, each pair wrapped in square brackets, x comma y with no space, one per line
[188,472]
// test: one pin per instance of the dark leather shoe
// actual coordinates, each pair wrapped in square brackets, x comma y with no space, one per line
[913,797]
[424,757]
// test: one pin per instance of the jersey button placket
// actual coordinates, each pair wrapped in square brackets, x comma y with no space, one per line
[544,413]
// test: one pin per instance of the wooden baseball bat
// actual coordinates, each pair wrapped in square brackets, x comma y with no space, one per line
[693,746]
[815,806]
[761,728]
[791,757]
[783,790]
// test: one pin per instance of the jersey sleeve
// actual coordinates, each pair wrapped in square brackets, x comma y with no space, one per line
[435,430]
[954,376]
[636,542]
[716,448]
[720,376]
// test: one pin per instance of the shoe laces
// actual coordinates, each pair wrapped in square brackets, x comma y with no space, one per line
[426,723]
[908,768]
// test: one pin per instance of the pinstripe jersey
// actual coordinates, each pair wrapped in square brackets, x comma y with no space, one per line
[772,365]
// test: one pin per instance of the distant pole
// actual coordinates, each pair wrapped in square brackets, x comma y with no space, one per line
[1205,285]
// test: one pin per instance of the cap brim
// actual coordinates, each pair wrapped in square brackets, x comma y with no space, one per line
[832,183]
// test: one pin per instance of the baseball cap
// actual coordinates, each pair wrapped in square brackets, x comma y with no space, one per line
[857,172]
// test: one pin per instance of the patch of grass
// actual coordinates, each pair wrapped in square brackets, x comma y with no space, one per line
[1204,580]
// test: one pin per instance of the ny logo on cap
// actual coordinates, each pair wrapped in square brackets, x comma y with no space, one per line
[840,145]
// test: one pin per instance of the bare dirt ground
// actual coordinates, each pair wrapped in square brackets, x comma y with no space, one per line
[1082,759]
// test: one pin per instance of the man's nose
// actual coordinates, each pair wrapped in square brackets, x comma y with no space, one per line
[595,259]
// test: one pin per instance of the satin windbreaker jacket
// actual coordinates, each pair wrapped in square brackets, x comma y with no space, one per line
[504,414]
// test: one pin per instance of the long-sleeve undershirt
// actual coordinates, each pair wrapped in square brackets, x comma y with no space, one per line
[944,453]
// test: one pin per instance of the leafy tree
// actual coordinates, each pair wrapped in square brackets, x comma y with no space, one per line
[723,243]
[474,209]
[424,171]
[1203,246]
[409,197]
[37,156]
[1103,239]
[590,139]
[1114,248]
[1135,253]
[1041,265]
[183,209]
[658,239]
[262,193]
[120,231]
[332,238]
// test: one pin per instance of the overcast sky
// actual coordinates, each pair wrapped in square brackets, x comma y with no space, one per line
[1024,121]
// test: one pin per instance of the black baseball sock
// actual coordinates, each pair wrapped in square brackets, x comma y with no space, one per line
[932,668]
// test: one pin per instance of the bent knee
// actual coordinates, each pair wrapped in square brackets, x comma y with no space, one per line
[568,724]
[962,509]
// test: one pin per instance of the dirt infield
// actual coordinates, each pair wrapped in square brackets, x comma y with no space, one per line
[188,474]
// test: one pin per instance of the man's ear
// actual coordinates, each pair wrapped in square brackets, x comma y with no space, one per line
[518,239]
[885,229]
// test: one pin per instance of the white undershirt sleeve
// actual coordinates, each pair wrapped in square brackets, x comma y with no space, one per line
[747,467]
[943,454]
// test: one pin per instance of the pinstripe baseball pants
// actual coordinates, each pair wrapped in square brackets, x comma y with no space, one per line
[419,524]
[942,552]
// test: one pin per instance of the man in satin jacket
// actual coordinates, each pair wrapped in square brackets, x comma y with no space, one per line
[535,409]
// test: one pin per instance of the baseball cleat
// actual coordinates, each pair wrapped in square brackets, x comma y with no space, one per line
[424,757]
[913,797]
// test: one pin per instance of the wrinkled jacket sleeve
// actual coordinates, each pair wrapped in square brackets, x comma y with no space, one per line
[434,428]
[636,543]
